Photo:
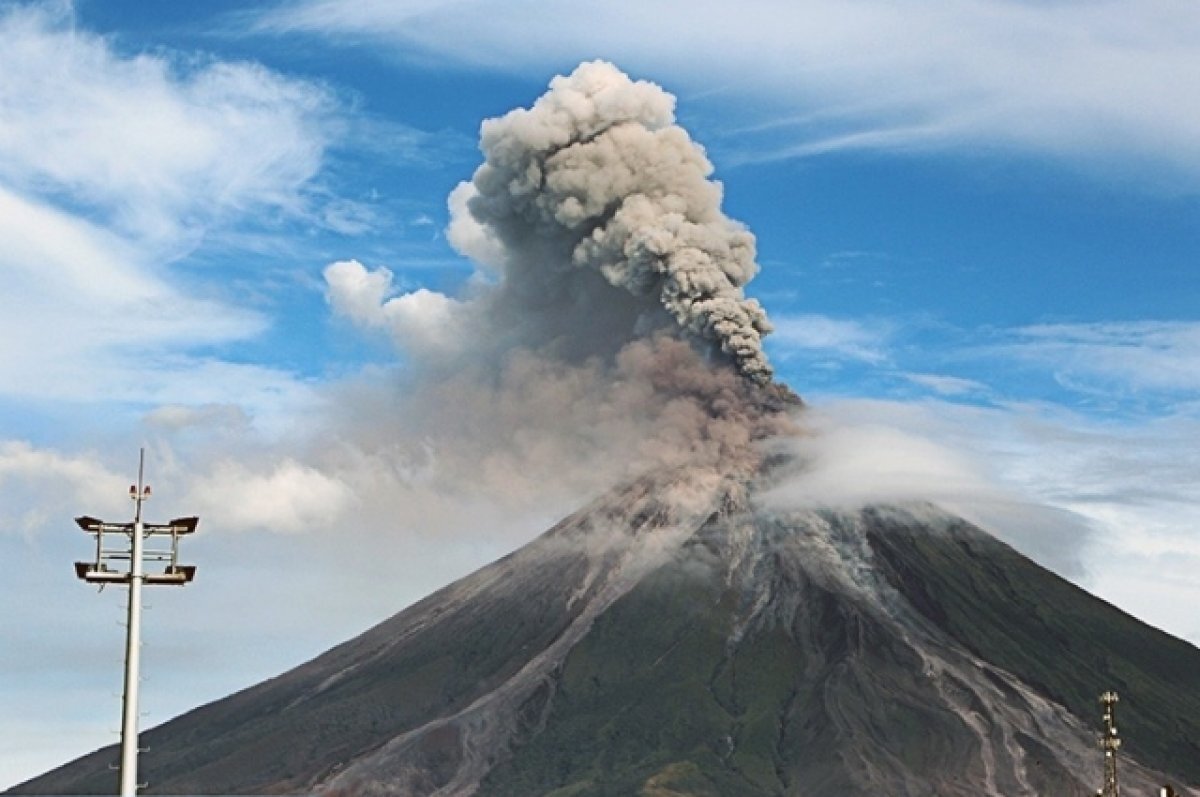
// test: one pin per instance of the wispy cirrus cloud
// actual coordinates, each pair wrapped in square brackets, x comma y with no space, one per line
[150,143]
[1125,357]
[79,297]
[1080,82]
[813,335]
[1145,367]
[114,166]
[84,315]
[944,385]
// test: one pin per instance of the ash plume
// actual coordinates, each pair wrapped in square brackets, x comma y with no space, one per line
[605,332]
[605,224]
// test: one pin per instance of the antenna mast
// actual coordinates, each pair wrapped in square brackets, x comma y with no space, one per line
[1110,742]
[101,571]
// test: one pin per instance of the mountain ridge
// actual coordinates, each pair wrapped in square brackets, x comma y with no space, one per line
[673,637]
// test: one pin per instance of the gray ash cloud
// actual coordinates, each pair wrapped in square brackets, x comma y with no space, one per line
[603,220]
[605,333]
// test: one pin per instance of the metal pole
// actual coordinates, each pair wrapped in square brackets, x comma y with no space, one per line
[100,572]
[133,645]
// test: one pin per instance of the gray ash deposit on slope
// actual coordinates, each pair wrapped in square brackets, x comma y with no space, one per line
[674,638]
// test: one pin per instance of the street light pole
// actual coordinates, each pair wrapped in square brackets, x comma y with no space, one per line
[101,572]
[133,643]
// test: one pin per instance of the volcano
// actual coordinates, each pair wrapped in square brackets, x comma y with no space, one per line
[682,636]
[686,633]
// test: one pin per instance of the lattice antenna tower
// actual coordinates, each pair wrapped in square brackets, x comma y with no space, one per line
[1110,742]
[121,555]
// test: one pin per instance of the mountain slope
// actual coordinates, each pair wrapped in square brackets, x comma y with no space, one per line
[1052,635]
[676,638]
[783,680]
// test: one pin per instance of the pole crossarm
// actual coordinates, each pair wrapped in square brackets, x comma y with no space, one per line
[97,526]
[183,525]
[180,525]
[102,570]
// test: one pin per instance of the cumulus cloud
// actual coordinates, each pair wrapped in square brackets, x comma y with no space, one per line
[285,496]
[421,320]
[35,481]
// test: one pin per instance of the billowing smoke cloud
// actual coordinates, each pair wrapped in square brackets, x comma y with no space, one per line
[608,225]
[605,331]
[594,223]
[537,433]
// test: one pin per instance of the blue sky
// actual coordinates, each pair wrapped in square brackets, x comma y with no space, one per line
[977,226]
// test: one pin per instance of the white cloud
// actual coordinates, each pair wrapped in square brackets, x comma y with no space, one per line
[156,144]
[1128,356]
[208,416]
[75,294]
[82,318]
[114,166]
[822,335]
[1097,500]
[358,294]
[275,402]
[859,464]
[34,482]
[285,497]
[417,321]
[945,385]
[1081,81]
